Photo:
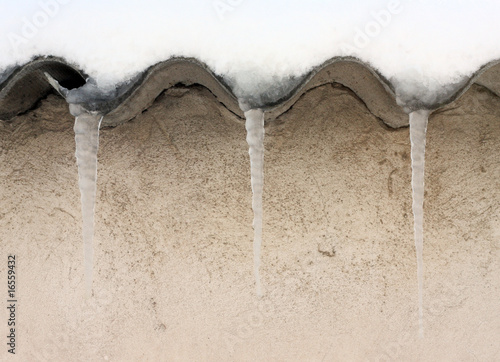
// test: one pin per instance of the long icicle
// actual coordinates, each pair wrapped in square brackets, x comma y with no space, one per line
[418,130]
[87,144]
[255,137]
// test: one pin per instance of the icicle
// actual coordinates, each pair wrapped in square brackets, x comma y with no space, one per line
[418,129]
[255,137]
[87,143]
[86,129]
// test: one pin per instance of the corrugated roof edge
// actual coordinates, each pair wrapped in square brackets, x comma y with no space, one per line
[23,86]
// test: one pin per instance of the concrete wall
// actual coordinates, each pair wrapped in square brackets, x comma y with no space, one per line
[173,245]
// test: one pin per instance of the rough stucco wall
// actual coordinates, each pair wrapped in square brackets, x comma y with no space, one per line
[173,245]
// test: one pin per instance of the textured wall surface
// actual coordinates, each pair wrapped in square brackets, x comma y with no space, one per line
[173,245]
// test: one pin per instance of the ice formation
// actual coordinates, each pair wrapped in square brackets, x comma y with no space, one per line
[82,101]
[255,137]
[87,143]
[418,129]
[288,39]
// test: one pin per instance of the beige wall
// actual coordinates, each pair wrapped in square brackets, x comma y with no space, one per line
[173,245]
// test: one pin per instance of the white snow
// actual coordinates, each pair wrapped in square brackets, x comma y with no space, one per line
[255,138]
[87,143]
[418,130]
[421,45]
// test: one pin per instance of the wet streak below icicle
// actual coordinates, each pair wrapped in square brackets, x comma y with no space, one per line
[87,143]
[418,130]
[255,137]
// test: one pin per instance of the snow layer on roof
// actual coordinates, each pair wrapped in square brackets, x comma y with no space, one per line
[421,46]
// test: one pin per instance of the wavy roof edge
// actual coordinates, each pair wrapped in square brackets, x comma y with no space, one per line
[23,86]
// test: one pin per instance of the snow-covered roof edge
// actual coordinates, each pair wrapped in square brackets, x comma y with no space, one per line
[21,87]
